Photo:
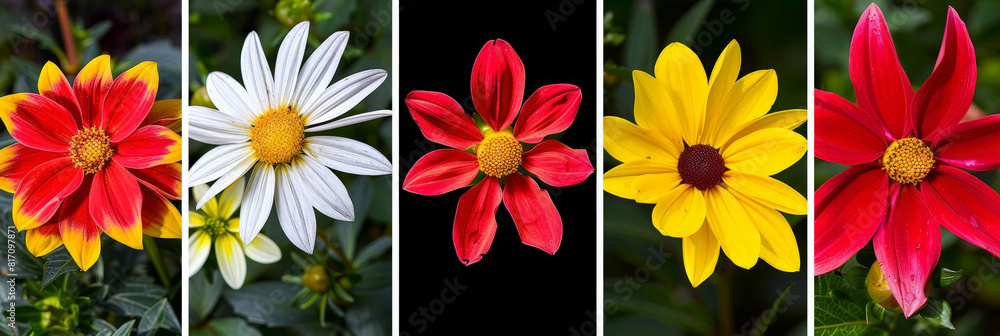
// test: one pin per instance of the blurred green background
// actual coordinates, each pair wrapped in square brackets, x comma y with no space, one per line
[917,28]
[273,301]
[772,35]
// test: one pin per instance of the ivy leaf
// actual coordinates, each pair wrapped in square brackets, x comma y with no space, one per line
[159,316]
[125,329]
[937,312]
[59,263]
[944,277]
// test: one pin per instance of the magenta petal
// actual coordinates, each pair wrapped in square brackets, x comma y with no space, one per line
[971,145]
[965,206]
[846,134]
[880,84]
[908,247]
[849,208]
[475,220]
[946,96]
[536,217]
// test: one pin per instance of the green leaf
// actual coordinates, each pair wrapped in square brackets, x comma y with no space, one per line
[369,318]
[689,24]
[102,328]
[374,278]
[232,326]
[59,263]
[204,295]
[857,277]
[874,313]
[159,316]
[361,192]
[269,303]
[136,296]
[767,319]
[27,71]
[944,277]
[838,317]
[373,250]
[937,312]
[125,329]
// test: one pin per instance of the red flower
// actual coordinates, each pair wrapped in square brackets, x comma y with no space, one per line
[497,150]
[99,156]
[907,151]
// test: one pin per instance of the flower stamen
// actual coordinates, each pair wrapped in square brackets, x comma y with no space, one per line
[276,136]
[701,166]
[214,227]
[90,149]
[908,160]
[499,154]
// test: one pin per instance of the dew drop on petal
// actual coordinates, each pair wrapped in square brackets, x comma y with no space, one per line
[917,247]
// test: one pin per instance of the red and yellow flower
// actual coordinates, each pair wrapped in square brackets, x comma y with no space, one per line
[497,151]
[99,156]
[908,154]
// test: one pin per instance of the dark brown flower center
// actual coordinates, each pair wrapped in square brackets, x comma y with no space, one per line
[701,166]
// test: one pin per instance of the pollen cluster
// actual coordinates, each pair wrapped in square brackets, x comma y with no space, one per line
[499,155]
[908,160]
[90,149]
[214,227]
[701,166]
[276,136]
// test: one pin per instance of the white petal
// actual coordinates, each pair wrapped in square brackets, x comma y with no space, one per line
[231,198]
[199,244]
[342,96]
[294,213]
[217,162]
[256,75]
[286,67]
[257,201]
[319,68]
[326,192]
[214,127]
[199,190]
[354,119]
[347,155]
[231,98]
[226,180]
[232,261]
[263,250]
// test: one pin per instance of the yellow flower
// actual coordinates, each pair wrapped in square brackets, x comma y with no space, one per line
[214,222]
[703,150]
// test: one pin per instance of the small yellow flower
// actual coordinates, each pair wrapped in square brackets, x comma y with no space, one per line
[703,150]
[214,222]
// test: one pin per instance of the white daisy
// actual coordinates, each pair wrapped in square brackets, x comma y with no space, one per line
[262,127]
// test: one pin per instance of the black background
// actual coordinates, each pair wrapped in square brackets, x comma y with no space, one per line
[514,287]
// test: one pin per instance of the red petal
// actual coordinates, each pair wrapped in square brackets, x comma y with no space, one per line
[947,94]
[91,86]
[908,247]
[160,219]
[37,122]
[38,195]
[550,110]
[971,145]
[537,219]
[129,100]
[441,171]
[497,84]
[442,120]
[847,135]
[965,206]
[556,164]
[52,84]
[78,231]
[880,84]
[115,201]
[475,220]
[166,113]
[849,208]
[147,147]
[17,160]
[163,179]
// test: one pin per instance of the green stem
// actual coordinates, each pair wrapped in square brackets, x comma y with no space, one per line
[724,285]
[157,259]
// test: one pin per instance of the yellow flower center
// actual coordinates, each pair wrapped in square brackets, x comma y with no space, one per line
[908,160]
[214,227]
[276,136]
[499,154]
[90,149]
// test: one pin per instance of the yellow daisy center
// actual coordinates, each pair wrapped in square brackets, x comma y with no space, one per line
[214,227]
[701,166]
[90,149]
[499,154]
[908,160]
[276,136]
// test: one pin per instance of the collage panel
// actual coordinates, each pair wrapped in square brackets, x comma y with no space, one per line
[704,196]
[907,209]
[290,183]
[497,144]
[90,167]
